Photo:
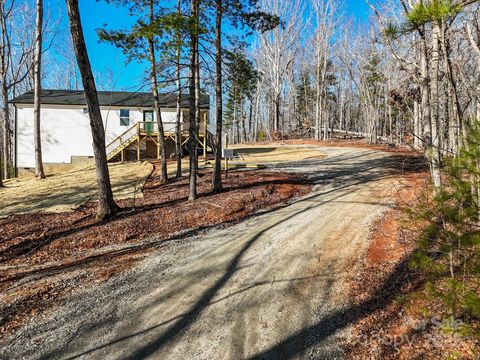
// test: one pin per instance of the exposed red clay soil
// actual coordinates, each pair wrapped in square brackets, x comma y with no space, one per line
[390,327]
[45,256]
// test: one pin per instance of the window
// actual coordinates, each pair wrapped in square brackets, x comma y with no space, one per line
[124,117]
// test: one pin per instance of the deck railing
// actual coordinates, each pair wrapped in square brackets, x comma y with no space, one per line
[169,127]
[123,138]
[142,128]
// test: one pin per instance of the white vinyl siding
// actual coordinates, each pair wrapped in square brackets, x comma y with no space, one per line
[66,131]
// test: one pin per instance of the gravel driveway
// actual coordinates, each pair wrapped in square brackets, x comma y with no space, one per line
[271,287]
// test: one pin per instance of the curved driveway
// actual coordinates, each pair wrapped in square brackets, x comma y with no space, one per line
[271,287]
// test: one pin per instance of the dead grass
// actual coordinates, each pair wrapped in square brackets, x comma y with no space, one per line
[337,142]
[65,191]
[277,153]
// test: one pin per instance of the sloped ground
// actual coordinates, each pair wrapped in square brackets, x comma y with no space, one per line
[271,287]
[45,256]
[66,191]
[392,323]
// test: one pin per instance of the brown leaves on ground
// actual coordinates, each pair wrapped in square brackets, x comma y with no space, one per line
[391,325]
[44,256]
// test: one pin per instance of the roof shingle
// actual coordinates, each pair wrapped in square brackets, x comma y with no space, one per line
[108,98]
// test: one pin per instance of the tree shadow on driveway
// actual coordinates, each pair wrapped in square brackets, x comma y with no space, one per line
[346,179]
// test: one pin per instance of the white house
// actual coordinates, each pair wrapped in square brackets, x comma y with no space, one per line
[65,127]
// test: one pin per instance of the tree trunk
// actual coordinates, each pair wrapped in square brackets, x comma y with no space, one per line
[198,113]
[325,120]
[257,111]
[276,125]
[1,174]
[106,205]
[435,93]
[192,141]
[242,118]
[158,111]
[318,109]
[217,172]
[234,119]
[156,100]
[6,131]
[178,127]
[4,64]
[416,123]
[250,119]
[39,173]
[456,108]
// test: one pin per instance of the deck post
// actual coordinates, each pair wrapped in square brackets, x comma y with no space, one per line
[158,146]
[226,159]
[138,148]
[122,155]
[205,135]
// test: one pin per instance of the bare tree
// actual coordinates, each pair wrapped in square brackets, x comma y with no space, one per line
[276,50]
[156,98]
[106,205]
[178,75]
[325,16]
[37,92]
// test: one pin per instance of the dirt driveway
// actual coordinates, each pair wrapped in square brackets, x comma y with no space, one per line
[271,287]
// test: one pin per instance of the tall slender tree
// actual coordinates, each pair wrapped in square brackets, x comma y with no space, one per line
[217,172]
[106,204]
[6,9]
[156,98]
[39,172]
[178,75]
[248,14]
[193,102]
[139,40]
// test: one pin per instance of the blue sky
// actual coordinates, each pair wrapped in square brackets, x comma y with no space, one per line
[106,58]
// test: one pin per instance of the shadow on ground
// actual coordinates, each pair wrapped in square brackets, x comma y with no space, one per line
[345,179]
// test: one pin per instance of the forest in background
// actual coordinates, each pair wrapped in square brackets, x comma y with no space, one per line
[409,77]
[279,69]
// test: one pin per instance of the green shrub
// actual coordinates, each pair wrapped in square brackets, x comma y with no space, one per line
[261,135]
[448,252]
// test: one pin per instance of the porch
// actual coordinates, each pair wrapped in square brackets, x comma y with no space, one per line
[142,141]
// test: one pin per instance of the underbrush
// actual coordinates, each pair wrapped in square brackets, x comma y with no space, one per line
[448,254]
[419,291]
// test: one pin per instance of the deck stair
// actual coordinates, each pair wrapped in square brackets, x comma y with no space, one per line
[123,141]
[147,131]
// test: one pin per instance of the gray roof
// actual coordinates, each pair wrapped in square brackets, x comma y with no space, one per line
[108,98]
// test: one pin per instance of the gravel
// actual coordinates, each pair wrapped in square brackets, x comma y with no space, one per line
[271,287]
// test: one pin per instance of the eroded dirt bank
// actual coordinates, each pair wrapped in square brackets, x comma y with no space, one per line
[272,286]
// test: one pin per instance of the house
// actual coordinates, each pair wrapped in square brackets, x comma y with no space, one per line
[129,120]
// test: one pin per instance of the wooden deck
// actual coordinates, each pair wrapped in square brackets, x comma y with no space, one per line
[144,132]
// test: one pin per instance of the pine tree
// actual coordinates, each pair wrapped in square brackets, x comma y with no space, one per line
[241,83]
[237,12]
[140,43]
[449,247]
